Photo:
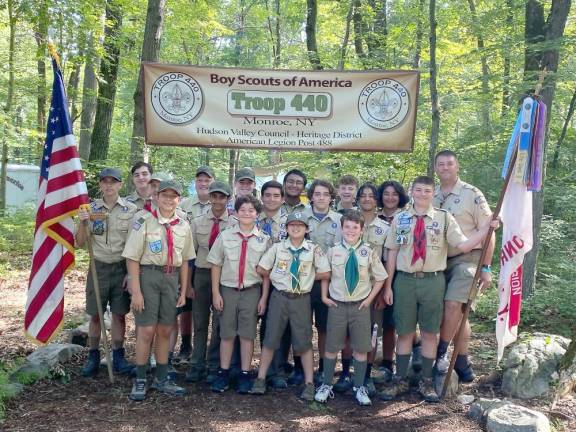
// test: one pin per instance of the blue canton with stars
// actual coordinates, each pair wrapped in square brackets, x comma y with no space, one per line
[59,123]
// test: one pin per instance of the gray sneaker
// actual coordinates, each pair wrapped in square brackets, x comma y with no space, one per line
[308,393]
[362,396]
[258,387]
[138,392]
[169,387]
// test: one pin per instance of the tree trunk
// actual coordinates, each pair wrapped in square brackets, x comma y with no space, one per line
[486,95]
[89,93]
[72,91]
[8,105]
[41,34]
[274,30]
[419,35]
[543,41]
[311,46]
[150,52]
[506,71]
[346,36]
[376,37]
[357,22]
[564,130]
[107,89]
[433,91]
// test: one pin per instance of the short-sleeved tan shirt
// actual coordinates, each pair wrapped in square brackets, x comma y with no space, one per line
[370,268]
[226,250]
[278,258]
[375,234]
[388,219]
[136,199]
[327,232]
[441,230]
[110,229]
[287,208]
[147,242]
[340,209]
[201,229]
[468,206]
[194,208]
[277,222]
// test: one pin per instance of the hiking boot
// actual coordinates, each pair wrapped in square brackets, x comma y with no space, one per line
[93,365]
[244,383]
[361,395]
[382,376]
[427,390]
[343,384]
[467,374]
[394,388]
[417,358]
[296,377]
[277,382]
[138,392]
[221,382]
[323,393]
[259,387]
[442,364]
[195,374]
[168,386]
[308,393]
[370,387]
[119,363]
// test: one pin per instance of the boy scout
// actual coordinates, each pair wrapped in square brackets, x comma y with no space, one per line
[199,204]
[205,230]
[357,277]
[418,247]
[470,209]
[237,289]
[294,184]
[109,226]
[292,266]
[375,233]
[325,231]
[141,172]
[347,188]
[244,184]
[159,243]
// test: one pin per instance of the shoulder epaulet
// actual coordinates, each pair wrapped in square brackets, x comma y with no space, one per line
[440,209]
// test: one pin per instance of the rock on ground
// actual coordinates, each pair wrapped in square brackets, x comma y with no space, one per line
[515,418]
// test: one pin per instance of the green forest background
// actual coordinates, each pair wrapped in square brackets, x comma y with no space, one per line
[477,59]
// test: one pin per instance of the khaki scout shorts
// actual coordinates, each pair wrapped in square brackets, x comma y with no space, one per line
[160,292]
[110,279]
[295,310]
[347,319]
[240,314]
[460,273]
[418,301]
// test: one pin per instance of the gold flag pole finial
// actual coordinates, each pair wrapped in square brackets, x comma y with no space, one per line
[53,53]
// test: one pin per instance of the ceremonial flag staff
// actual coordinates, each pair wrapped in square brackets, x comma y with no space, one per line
[475,286]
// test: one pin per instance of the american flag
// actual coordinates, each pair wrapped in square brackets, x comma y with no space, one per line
[61,191]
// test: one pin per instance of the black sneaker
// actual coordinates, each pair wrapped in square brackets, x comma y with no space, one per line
[244,385]
[221,383]
[467,374]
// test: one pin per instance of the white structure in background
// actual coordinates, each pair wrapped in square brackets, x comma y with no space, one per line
[21,185]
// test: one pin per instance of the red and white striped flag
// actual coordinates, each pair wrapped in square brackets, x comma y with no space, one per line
[61,191]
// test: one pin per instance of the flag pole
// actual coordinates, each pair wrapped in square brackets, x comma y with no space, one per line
[98,299]
[475,285]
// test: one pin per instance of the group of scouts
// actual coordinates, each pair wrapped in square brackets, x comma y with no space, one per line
[378,263]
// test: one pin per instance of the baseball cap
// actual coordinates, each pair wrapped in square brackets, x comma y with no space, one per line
[220,186]
[170,184]
[111,172]
[205,169]
[245,173]
[159,176]
[297,216]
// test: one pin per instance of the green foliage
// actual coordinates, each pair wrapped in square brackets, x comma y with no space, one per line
[16,240]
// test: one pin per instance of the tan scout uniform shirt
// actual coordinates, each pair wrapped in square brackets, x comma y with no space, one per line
[278,258]
[225,253]
[147,241]
[201,229]
[468,206]
[441,230]
[370,269]
[375,234]
[287,208]
[109,234]
[325,233]
[194,208]
[388,219]
[136,199]
[278,222]
[342,210]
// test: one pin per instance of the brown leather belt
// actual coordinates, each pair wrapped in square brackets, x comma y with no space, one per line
[420,275]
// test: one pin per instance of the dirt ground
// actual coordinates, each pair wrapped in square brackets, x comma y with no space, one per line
[92,404]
